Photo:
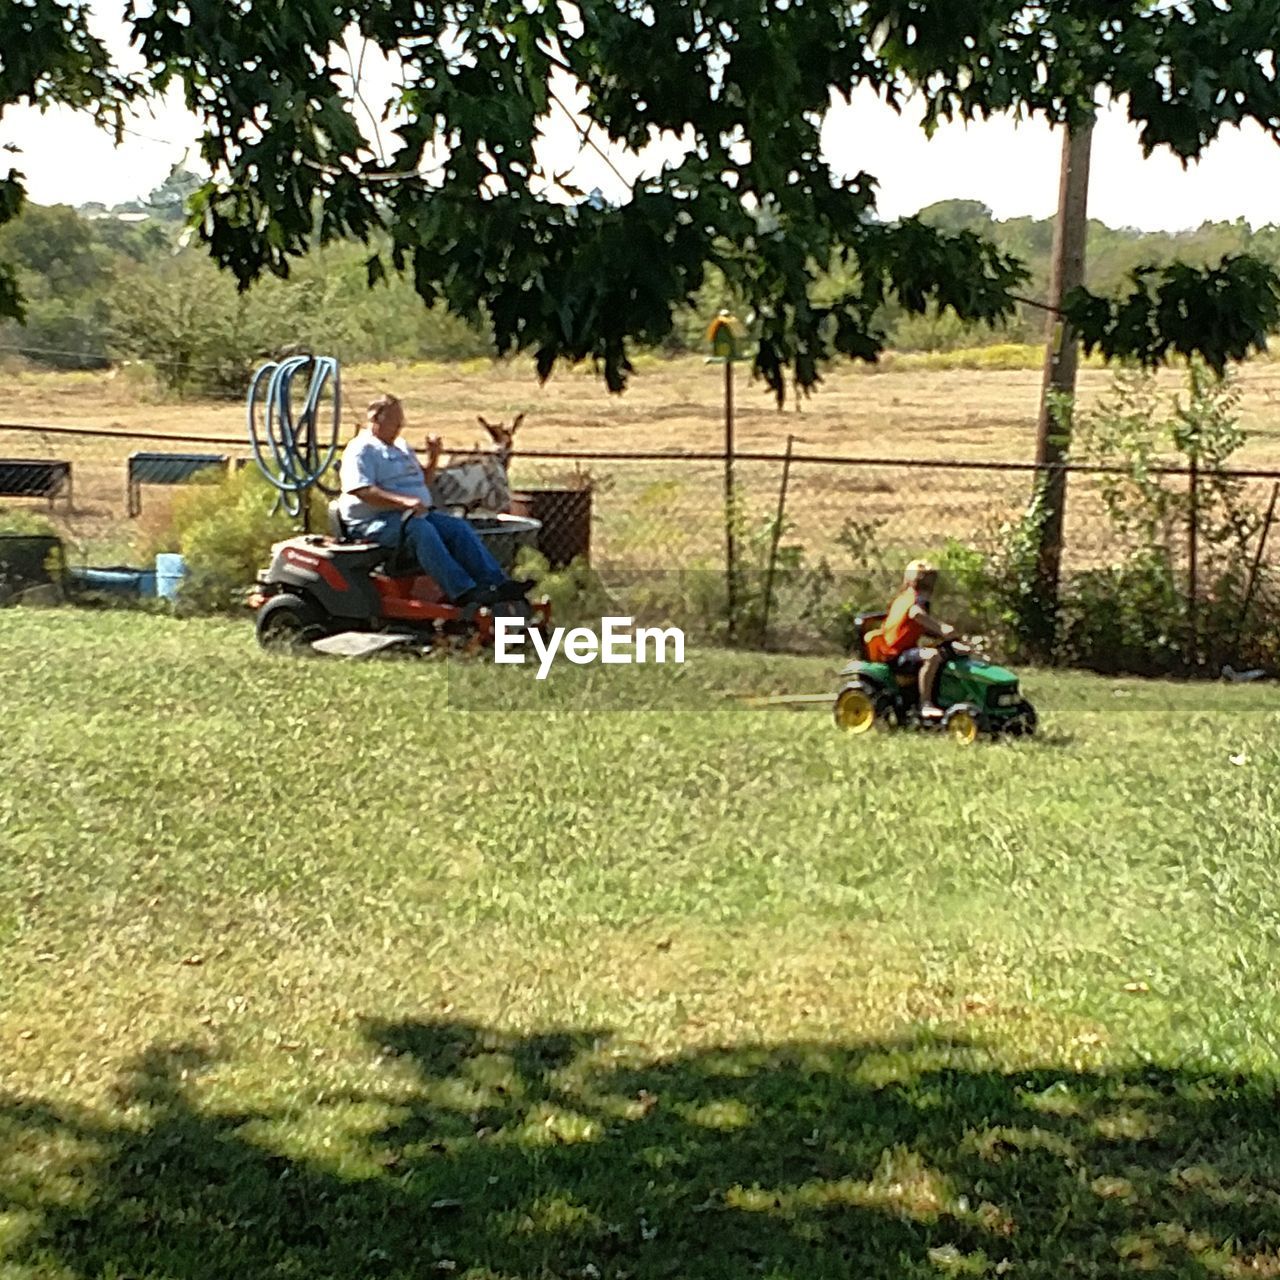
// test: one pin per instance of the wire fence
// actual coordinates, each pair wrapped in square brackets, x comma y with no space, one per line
[643,511]
[662,516]
[652,510]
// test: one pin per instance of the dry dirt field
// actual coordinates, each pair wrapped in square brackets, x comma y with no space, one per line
[670,405]
[658,510]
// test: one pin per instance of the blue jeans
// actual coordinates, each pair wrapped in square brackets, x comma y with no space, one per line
[447,548]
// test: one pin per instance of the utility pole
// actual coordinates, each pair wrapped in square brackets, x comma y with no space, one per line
[1062,353]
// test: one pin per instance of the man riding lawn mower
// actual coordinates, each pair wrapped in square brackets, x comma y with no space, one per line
[394,567]
[898,680]
[386,498]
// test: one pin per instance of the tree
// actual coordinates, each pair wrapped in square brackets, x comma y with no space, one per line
[476,219]
[62,267]
[958,215]
[55,243]
[51,58]
[169,200]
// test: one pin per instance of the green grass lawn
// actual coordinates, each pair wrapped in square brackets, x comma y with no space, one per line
[389,969]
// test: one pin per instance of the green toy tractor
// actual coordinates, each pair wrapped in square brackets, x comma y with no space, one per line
[976,696]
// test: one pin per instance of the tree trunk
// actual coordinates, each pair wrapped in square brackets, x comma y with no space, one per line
[1061,361]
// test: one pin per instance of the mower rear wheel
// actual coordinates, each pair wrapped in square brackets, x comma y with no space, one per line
[289,622]
[856,709]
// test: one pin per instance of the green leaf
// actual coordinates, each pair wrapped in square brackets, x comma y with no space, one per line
[746,84]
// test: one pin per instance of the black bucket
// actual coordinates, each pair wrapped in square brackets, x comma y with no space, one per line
[565,515]
[30,560]
[504,535]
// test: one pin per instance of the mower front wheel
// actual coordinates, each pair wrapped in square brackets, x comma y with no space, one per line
[963,724]
[289,622]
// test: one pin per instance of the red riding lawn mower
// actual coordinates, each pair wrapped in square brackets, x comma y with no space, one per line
[346,596]
[338,594]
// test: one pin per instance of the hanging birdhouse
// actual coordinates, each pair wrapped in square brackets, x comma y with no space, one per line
[722,334]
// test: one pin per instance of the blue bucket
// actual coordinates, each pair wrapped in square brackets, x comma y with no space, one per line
[170,571]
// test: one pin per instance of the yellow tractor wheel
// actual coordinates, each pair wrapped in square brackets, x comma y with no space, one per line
[855,710]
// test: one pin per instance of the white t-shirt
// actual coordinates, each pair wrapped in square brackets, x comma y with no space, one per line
[367,460]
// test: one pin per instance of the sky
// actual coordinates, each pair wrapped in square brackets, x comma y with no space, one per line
[1011,167]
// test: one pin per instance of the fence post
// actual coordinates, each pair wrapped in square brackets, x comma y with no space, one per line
[1193,539]
[1257,567]
[773,548]
[730,514]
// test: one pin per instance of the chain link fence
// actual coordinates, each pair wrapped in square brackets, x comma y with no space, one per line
[651,527]
[820,540]
[648,511]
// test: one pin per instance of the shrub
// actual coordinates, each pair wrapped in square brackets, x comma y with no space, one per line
[1129,617]
[1134,615]
[187,319]
[61,333]
[1137,614]
[202,336]
[224,528]
[577,594]
[859,583]
[933,331]
[16,520]
[756,595]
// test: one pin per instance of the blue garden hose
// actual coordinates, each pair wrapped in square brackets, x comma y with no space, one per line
[288,448]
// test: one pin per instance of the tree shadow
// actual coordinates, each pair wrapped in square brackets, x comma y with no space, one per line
[557,1154]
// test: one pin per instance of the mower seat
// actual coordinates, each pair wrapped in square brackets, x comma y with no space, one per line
[907,664]
[395,561]
[337,526]
[868,641]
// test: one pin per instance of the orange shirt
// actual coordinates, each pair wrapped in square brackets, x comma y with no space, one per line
[902,632]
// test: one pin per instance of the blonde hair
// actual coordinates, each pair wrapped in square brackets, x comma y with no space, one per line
[377,408]
[918,569]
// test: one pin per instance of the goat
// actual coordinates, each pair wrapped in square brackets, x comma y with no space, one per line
[477,480]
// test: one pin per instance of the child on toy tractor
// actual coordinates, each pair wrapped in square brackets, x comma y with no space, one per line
[961,691]
[906,624]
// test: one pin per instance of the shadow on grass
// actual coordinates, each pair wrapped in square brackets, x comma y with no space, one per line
[555,1155]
